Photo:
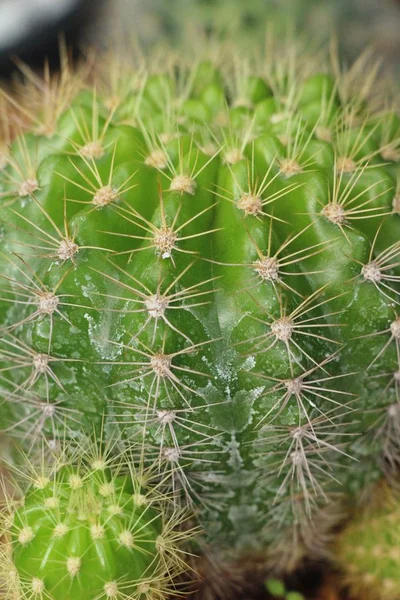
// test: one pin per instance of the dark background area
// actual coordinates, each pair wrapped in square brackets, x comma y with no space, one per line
[33,31]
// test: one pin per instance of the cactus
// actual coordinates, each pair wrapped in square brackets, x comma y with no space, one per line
[204,254]
[367,551]
[88,526]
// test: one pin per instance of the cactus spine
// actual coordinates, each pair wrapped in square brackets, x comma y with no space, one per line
[207,258]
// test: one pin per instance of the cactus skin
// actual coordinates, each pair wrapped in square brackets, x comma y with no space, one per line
[85,527]
[367,551]
[209,261]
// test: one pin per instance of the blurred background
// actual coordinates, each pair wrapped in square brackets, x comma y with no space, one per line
[30,29]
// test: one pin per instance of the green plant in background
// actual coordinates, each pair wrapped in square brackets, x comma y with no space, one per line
[246,19]
[367,551]
[204,254]
[177,20]
[277,589]
[358,24]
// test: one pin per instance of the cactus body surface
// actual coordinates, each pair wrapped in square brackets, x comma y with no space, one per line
[207,259]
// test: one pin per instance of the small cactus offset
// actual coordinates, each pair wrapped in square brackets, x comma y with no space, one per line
[87,526]
[202,255]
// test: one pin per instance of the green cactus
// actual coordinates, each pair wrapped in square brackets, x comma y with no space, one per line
[207,257]
[87,526]
[367,551]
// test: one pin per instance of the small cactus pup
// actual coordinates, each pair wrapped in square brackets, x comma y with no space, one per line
[87,526]
[206,255]
[367,551]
